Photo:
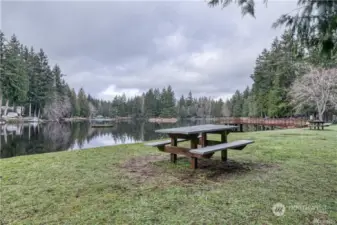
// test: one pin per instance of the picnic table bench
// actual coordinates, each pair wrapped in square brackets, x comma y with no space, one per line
[198,135]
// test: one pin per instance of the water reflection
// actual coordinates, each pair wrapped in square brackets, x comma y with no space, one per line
[26,139]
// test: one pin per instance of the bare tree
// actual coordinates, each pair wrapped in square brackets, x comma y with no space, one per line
[225,110]
[92,109]
[57,109]
[318,87]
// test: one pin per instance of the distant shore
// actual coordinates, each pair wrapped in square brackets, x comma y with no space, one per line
[163,120]
[288,122]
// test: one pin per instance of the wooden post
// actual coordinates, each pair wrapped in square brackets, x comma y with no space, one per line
[173,143]
[173,157]
[194,163]
[241,127]
[203,140]
[194,144]
[224,152]
[224,155]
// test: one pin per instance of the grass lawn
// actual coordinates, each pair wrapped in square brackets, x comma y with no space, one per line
[135,184]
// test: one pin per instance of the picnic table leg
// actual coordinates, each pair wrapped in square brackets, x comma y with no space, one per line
[224,152]
[194,144]
[203,139]
[172,155]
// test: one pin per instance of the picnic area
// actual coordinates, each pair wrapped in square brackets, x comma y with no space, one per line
[138,184]
[198,134]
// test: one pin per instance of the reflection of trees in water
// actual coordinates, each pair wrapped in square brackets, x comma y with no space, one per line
[51,137]
[57,136]
[44,138]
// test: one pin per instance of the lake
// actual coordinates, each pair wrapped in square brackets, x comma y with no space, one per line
[27,139]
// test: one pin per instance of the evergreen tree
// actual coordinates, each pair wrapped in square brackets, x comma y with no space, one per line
[45,80]
[75,108]
[59,85]
[83,103]
[14,79]
[237,103]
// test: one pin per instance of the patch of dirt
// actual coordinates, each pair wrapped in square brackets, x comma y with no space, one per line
[147,168]
[321,219]
[217,171]
[142,168]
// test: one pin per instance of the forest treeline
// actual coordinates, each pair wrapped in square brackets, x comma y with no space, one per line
[28,79]
[273,77]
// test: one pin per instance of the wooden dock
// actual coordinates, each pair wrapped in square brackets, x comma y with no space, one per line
[279,122]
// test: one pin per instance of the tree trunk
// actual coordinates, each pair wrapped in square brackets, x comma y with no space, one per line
[30,110]
[0,104]
[29,132]
[320,116]
[5,133]
[6,108]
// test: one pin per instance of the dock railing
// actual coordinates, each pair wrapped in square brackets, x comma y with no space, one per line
[281,122]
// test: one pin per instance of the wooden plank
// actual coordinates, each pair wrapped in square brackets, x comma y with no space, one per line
[177,150]
[162,143]
[184,136]
[194,145]
[232,145]
[194,142]
[224,137]
[203,140]
[173,143]
[224,152]
[185,152]
[221,131]
[207,128]
[194,163]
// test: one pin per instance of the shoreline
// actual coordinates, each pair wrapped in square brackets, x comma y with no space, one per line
[284,122]
[162,120]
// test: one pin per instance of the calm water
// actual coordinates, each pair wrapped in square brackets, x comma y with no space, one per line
[26,139]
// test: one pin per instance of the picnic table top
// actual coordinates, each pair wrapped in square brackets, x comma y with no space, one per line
[316,121]
[196,129]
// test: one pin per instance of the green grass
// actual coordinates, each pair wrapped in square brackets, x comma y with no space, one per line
[135,184]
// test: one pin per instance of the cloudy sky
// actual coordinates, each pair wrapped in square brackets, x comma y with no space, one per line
[110,47]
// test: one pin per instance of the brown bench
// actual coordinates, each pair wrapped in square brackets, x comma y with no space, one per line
[209,150]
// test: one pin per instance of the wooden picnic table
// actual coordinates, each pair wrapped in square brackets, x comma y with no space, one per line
[198,135]
[316,124]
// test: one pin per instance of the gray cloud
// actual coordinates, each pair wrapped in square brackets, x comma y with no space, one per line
[112,47]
